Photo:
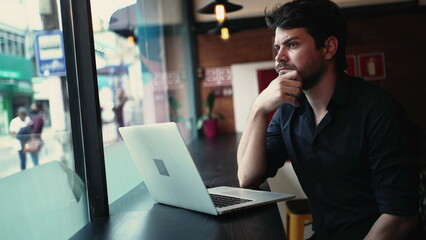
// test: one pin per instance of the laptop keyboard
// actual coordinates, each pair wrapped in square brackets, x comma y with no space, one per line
[224,201]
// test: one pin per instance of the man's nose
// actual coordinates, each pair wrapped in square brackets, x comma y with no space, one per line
[281,56]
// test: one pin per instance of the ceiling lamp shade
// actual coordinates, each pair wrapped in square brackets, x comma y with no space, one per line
[224,29]
[210,8]
[225,24]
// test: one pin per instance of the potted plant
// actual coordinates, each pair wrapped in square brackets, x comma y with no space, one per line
[210,120]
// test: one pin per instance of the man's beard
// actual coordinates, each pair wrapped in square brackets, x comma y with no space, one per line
[309,79]
[312,77]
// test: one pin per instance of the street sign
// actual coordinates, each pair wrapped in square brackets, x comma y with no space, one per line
[49,53]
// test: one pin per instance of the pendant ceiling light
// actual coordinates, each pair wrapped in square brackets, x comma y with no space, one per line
[220,8]
[224,29]
[228,7]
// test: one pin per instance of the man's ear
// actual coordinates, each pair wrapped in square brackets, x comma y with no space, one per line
[330,47]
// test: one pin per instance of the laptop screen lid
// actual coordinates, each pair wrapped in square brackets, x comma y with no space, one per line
[162,158]
[169,172]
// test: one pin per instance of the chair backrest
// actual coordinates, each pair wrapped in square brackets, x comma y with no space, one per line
[285,181]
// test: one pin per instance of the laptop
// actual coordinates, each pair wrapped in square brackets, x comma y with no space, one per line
[168,170]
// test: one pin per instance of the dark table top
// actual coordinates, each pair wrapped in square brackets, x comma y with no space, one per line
[215,159]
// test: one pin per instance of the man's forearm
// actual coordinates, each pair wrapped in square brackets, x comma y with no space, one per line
[392,227]
[251,151]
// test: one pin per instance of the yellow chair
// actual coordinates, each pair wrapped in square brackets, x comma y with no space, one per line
[298,215]
[286,182]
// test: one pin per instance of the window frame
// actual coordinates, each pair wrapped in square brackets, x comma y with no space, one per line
[85,116]
[84,104]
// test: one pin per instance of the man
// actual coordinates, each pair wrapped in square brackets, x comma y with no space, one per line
[20,121]
[349,142]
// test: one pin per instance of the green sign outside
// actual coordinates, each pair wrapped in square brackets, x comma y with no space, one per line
[15,74]
[10,74]
[12,67]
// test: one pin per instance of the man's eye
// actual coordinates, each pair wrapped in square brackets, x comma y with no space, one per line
[275,50]
[292,45]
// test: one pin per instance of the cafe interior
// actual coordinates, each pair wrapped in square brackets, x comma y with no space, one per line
[198,63]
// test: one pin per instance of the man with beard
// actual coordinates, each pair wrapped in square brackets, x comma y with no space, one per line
[351,145]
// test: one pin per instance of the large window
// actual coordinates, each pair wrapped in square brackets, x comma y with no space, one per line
[52,93]
[42,196]
[12,43]
[144,77]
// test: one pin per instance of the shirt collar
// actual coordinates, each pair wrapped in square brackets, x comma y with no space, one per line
[341,92]
[340,95]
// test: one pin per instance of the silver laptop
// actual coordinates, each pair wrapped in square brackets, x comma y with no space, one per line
[162,158]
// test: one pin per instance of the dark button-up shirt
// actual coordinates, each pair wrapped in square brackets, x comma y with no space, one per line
[358,163]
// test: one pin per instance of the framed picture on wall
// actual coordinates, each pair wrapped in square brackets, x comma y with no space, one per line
[371,66]
[351,70]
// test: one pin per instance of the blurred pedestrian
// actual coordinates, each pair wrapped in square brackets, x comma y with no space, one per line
[22,120]
[37,124]
[118,108]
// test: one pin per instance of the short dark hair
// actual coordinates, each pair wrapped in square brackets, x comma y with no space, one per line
[321,19]
[21,110]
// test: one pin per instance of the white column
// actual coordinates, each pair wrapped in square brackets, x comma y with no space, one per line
[245,89]
[56,103]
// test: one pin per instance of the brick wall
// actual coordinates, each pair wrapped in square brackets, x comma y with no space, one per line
[402,38]
[245,46]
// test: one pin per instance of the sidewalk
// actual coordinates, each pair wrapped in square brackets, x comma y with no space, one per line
[56,147]
[7,141]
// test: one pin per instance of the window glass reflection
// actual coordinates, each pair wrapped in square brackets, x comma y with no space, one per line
[32,83]
[142,77]
[36,152]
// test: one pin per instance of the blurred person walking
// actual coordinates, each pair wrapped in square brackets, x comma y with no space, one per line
[21,121]
[36,124]
[118,108]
